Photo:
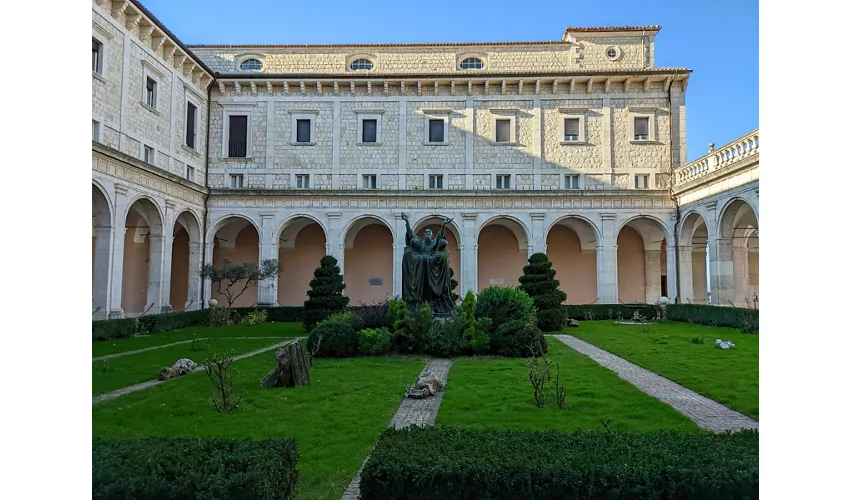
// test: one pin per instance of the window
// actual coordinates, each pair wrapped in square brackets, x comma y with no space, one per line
[471,63]
[642,181]
[435,181]
[190,173]
[302,133]
[370,181]
[251,65]
[302,181]
[613,53]
[147,154]
[96,56]
[369,126]
[571,181]
[571,128]
[150,92]
[503,130]
[642,128]
[303,128]
[360,65]
[436,130]
[191,124]
[95,130]
[503,182]
[370,130]
[238,137]
[236,181]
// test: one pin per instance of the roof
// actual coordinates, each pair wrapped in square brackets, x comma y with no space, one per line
[171,35]
[361,45]
[602,29]
[253,75]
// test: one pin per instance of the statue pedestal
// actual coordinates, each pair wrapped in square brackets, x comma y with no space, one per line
[442,316]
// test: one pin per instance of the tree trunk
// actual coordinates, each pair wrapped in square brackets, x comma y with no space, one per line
[292,368]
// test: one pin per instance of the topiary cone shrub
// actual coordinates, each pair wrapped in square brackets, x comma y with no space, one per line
[325,294]
[538,281]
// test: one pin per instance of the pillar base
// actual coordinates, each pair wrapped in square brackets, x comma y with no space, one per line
[166,309]
[116,314]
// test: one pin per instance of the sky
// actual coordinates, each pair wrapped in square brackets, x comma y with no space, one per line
[718,40]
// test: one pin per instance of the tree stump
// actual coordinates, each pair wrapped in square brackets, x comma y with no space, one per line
[292,368]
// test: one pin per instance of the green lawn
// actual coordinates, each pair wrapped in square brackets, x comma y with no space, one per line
[105,347]
[335,420]
[496,394]
[730,376]
[136,368]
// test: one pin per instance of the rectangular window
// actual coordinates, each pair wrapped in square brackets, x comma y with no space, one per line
[571,182]
[148,155]
[303,130]
[642,128]
[302,181]
[370,181]
[96,56]
[571,129]
[238,140]
[191,116]
[95,130]
[436,130]
[503,130]
[370,130]
[435,181]
[190,173]
[503,182]
[150,92]
[642,181]
[236,181]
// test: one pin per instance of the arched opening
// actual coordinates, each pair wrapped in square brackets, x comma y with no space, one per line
[452,237]
[300,250]
[693,255]
[368,261]
[502,252]
[641,261]
[571,246]
[101,246]
[142,275]
[738,255]
[185,263]
[237,239]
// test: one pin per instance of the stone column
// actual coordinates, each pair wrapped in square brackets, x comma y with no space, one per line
[652,273]
[193,297]
[606,262]
[335,245]
[722,272]
[155,270]
[469,254]
[672,272]
[117,260]
[103,237]
[398,253]
[168,245]
[686,277]
[739,272]
[538,236]
[267,288]
[207,284]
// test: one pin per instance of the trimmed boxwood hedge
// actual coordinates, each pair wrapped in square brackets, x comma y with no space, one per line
[192,468]
[448,463]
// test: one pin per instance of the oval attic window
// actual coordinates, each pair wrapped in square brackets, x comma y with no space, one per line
[472,63]
[251,65]
[361,65]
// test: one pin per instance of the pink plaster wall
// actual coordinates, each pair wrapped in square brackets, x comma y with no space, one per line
[134,283]
[499,257]
[371,257]
[631,274]
[299,264]
[247,250]
[454,252]
[179,270]
[575,270]
[699,277]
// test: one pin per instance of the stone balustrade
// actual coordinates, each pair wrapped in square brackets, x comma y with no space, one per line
[731,153]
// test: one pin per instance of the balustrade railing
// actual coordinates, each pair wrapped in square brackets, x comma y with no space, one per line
[737,150]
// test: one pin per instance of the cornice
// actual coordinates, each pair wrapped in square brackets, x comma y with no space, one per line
[719,174]
[114,154]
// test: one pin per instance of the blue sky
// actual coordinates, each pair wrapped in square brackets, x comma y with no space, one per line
[718,40]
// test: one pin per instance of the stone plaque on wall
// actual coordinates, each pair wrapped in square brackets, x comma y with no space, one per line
[376,281]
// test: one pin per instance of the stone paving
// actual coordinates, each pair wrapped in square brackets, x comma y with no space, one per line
[705,412]
[419,412]
[144,385]
[137,351]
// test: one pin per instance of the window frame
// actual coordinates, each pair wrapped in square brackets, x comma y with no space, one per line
[144,151]
[460,58]
[96,131]
[369,115]
[437,114]
[103,36]
[460,64]
[364,177]
[504,114]
[577,177]
[650,113]
[579,114]
[436,177]
[299,179]
[502,178]
[237,177]
[303,115]
[190,170]
[149,72]
[98,64]
[647,181]
[193,102]
[237,110]
[351,63]
[247,59]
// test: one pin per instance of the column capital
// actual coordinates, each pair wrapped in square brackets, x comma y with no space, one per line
[712,205]
[267,216]
[608,216]
[334,215]
[121,189]
[469,216]
[170,205]
[397,215]
[538,216]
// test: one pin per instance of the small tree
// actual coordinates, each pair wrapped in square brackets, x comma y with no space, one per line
[216,368]
[325,293]
[236,279]
[538,281]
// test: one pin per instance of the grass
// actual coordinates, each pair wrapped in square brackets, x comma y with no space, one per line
[335,420]
[727,376]
[136,368]
[496,394]
[106,347]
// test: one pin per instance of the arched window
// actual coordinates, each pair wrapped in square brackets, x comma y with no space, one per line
[472,63]
[360,64]
[251,65]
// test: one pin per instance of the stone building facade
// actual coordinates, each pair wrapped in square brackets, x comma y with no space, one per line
[569,147]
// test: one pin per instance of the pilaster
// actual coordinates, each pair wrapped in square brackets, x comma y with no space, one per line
[335,244]
[267,289]
[469,254]
[606,261]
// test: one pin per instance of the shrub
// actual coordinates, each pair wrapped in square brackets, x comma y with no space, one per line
[437,462]
[734,317]
[538,281]
[372,315]
[374,341]
[192,468]
[411,334]
[518,339]
[325,294]
[552,320]
[217,368]
[445,338]
[501,304]
[257,317]
[338,337]
[396,312]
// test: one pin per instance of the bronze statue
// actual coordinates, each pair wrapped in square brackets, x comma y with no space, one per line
[425,270]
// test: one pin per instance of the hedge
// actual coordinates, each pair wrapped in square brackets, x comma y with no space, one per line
[447,463]
[192,468]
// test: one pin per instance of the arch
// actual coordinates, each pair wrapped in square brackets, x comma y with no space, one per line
[226,220]
[101,207]
[642,259]
[238,238]
[302,242]
[189,221]
[141,280]
[185,261]
[690,222]
[571,243]
[437,219]
[148,203]
[645,225]
[369,243]
[693,253]
[519,228]
[297,222]
[586,230]
[101,251]
[356,224]
[499,261]
[738,255]
[732,213]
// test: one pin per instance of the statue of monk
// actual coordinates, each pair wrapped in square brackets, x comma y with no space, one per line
[425,270]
